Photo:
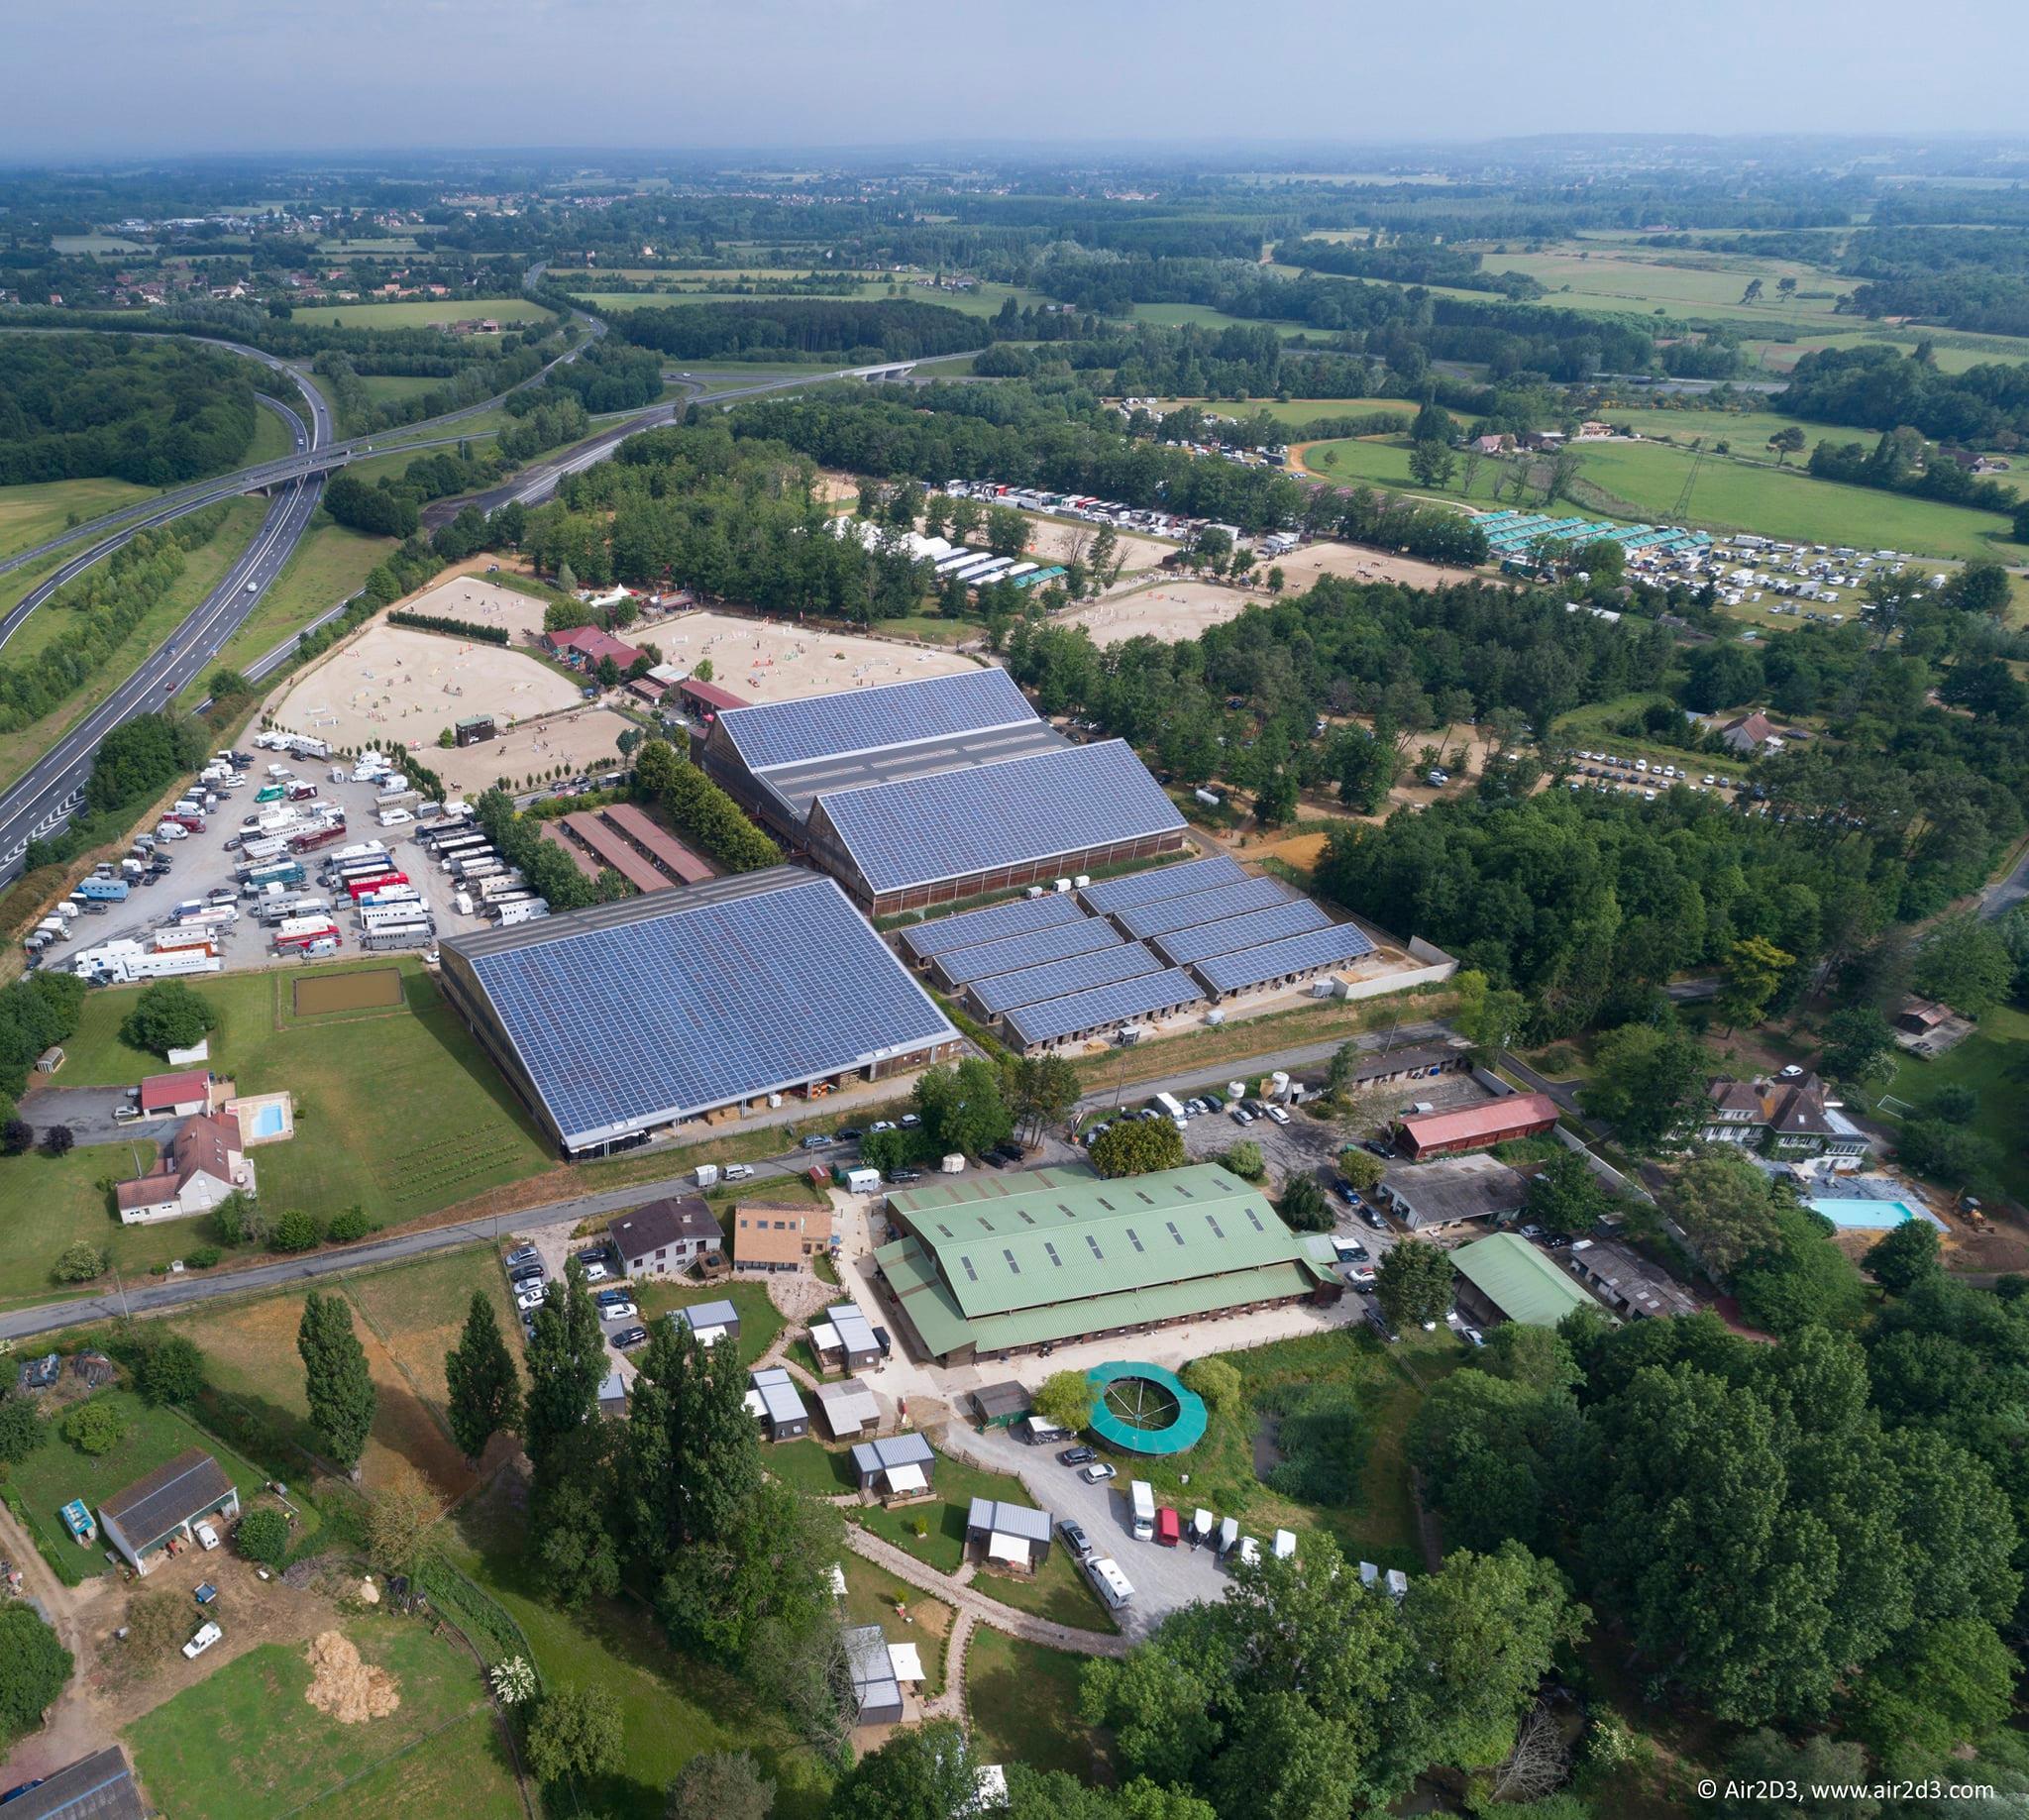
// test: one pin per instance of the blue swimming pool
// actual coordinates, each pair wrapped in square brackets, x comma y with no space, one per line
[269,1121]
[1858,1212]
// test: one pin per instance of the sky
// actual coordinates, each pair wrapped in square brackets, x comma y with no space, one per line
[114,78]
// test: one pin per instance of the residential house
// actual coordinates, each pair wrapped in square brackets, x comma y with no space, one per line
[1452,1191]
[1014,1535]
[895,1468]
[664,1237]
[844,1341]
[203,1163]
[585,647]
[1781,1118]
[1627,1282]
[1502,443]
[769,1235]
[178,1096]
[774,1403]
[1748,734]
[152,1512]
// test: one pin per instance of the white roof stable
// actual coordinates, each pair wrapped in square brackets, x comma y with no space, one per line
[855,1333]
[775,1391]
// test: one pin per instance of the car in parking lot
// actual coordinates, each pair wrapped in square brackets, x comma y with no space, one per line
[1075,1537]
[1373,1219]
[1241,1114]
[594,1265]
[630,1337]
[900,1178]
[523,1255]
[1472,1335]
[882,1124]
[618,1311]
[1077,1457]
[818,1140]
[1276,1114]
[1097,1473]
[529,1300]
[1349,1195]
[909,1120]
[1360,1274]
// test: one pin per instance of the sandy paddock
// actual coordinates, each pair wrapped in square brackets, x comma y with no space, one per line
[1169,610]
[580,741]
[1305,564]
[394,685]
[776,660]
[1058,540]
[474,599]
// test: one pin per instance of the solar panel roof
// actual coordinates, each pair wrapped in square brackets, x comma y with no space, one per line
[1079,973]
[930,828]
[1294,954]
[861,720]
[1015,952]
[796,787]
[1103,1005]
[1137,888]
[990,924]
[633,1013]
[1205,906]
[1201,940]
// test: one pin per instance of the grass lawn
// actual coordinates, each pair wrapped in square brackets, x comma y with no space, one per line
[398,1110]
[1023,1704]
[935,628]
[56,1472]
[32,514]
[463,1771]
[671,1706]
[418,1310]
[419,315]
[1297,412]
[394,389]
[272,438]
[203,568]
[244,1741]
[760,1318]
[875,1596]
[1989,1062]
[811,1466]
[1058,1590]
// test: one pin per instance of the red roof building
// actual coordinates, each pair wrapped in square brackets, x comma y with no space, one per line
[708,698]
[176,1095]
[587,647]
[1476,1127]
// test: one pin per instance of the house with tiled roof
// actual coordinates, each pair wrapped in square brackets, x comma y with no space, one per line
[205,1161]
[1781,1118]
[585,647]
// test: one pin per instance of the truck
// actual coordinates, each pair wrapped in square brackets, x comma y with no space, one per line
[312,839]
[103,890]
[1109,1581]
[394,818]
[531,911]
[301,931]
[1141,1495]
[288,876]
[284,906]
[414,934]
[1171,1107]
[383,895]
[496,907]
[402,797]
[471,870]
[301,792]
[359,849]
[357,888]
[367,866]
[501,885]
[119,963]
[389,914]
[453,845]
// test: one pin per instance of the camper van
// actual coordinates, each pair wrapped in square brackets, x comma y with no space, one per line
[1142,1496]
[1109,1581]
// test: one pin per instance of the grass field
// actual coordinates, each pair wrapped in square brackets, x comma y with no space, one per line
[1631,280]
[420,315]
[396,1110]
[244,1744]
[271,438]
[48,1204]
[1023,1703]
[463,1770]
[394,389]
[1296,412]
[760,1318]
[32,514]
[875,1596]
[1989,1061]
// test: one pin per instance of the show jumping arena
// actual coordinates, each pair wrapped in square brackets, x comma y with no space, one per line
[1145,1408]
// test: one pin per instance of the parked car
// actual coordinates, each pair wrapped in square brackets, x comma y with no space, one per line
[1349,1195]
[630,1337]
[882,1124]
[1473,1337]
[529,1300]
[900,1178]
[850,1136]
[207,1536]
[1075,1537]
[1240,1116]
[1373,1219]
[207,1635]
[909,1120]
[1077,1457]
[618,1311]
[1097,1473]
[523,1255]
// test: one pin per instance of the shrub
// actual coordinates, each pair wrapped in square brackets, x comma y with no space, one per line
[1137,1146]
[202,1259]
[170,1369]
[81,1263]
[348,1225]
[297,1230]
[264,1536]
[1245,1159]
[21,1428]
[59,1140]
[16,1138]
[34,1666]
[156,1625]
[93,1427]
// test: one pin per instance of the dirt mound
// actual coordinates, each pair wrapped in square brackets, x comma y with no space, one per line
[346,1687]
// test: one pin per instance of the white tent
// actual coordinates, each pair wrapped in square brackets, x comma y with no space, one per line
[1011,1549]
[837,1581]
[906,1478]
[907,1665]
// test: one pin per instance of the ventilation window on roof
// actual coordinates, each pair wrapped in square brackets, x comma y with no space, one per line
[1063,1208]
[1254,1220]
[1104,1203]
[1134,1240]
[1182,1190]
[971,1275]
[1173,1232]
[1012,1264]
[945,1229]
[985,1225]
[1052,1250]
[1023,1214]
[1096,1252]
[1214,1224]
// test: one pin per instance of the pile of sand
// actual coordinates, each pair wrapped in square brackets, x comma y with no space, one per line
[346,1687]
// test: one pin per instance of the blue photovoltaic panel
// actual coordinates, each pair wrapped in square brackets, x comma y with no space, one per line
[920,831]
[990,924]
[1100,967]
[1295,954]
[985,959]
[1206,906]
[1231,933]
[625,1025]
[862,720]
[1103,1005]
[1140,888]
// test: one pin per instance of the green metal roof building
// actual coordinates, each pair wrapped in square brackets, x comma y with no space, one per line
[997,1264]
[1518,1281]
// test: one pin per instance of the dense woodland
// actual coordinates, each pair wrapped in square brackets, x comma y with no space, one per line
[778,328]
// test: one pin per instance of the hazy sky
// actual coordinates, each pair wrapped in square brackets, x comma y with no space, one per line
[112,78]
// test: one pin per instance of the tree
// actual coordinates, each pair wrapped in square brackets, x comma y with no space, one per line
[1724,1206]
[1859,1046]
[1432,463]
[1137,1146]
[21,1428]
[1362,1168]
[1643,1080]
[298,1229]
[1948,1685]
[168,1015]
[1787,441]
[1064,1399]
[1904,1258]
[264,1535]
[34,1667]
[479,1373]
[1216,1380]
[1245,1159]
[1006,531]
[82,1262]
[1565,1196]
[59,1140]
[93,1427]
[1948,1153]
[720,1785]
[961,1108]
[336,1382]
[16,1138]
[1966,963]
[924,1774]
[1753,970]
[576,1732]
[399,1518]
[1489,1019]
[169,1370]
[1765,1767]
[1412,1283]
[1303,1208]
[566,1361]
[1800,1280]
[1041,1089]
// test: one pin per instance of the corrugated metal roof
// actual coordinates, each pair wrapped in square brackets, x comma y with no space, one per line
[1518,1279]
[1482,1121]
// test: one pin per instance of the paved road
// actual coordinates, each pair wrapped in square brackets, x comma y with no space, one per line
[2005,893]
[1216,1074]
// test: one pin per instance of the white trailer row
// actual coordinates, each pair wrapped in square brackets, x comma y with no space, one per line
[121,963]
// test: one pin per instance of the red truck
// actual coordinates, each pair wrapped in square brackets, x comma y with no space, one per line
[320,837]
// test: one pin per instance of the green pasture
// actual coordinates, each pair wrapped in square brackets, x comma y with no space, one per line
[33,513]
[421,314]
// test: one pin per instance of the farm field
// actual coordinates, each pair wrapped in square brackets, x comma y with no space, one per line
[1955,350]
[243,1743]
[419,314]
[42,510]
[459,1129]
[1989,1062]
[1626,280]
[74,245]
[1297,412]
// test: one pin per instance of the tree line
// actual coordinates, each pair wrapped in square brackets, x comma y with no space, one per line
[1878,386]
[800,327]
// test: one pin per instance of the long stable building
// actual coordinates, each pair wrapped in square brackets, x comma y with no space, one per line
[915,794]
[985,1267]
[616,1021]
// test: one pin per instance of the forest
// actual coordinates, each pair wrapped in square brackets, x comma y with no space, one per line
[153,412]
[800,327]
[1878,386]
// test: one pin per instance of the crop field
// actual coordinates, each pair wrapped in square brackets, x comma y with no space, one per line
[397,1111]
[1626,280]
[1955,351]
[421,315]
[243,1743]
[31,514]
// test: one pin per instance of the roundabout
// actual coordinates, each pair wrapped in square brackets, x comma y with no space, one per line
[1145,1408]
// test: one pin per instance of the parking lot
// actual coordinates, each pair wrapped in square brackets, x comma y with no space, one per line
[549,1247]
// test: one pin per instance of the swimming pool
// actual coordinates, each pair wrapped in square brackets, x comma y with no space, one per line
[1858,1212]
[269,1121]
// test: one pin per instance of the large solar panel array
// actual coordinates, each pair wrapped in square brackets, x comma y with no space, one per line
[1080,973]
[1140,888]
[863,719]
[1103,1005]
[1205,906]
[1231,933]
[1295,954]
[621,1023]
[990,924]
[985,959]
[919,831]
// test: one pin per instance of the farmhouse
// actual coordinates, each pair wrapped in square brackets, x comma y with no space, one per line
[200,1165]
[162,1508]
[988,1267]
[619,1022]
[1010,1535]
[895,1466]
[1452,1191]
[1508,1279]
[774,1403]
[852,1412]
[664,1237]
[1476,1127]
[95,1788]
[924,792]
[1786,1120]
[769,1236]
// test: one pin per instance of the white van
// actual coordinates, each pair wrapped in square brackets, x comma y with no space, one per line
[394,818]
[1109,1581]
